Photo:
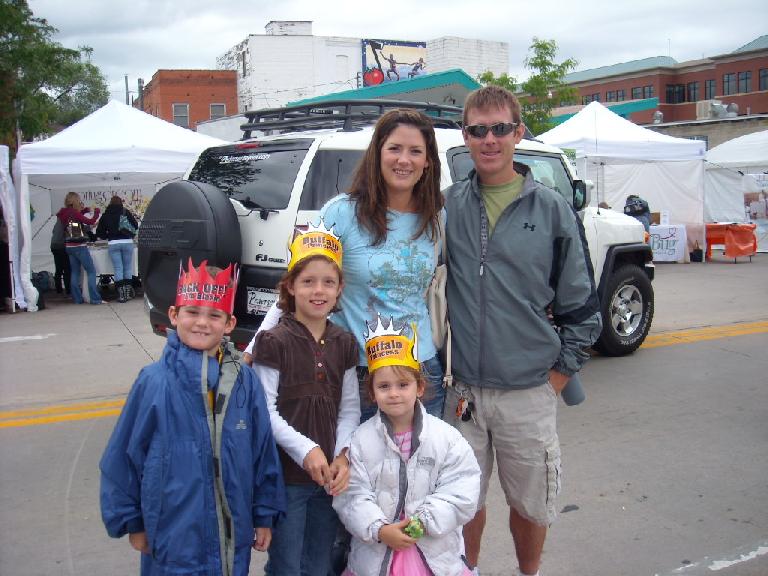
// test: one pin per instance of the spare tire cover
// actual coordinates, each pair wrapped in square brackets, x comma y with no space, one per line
[184,219]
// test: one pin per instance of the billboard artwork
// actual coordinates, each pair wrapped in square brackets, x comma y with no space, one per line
[392,60]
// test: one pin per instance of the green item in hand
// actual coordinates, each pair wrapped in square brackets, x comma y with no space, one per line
[414,528]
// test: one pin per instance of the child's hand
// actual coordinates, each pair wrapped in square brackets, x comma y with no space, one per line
[339,474]
[262,539]
[316,465]
[139,542]
[393,536]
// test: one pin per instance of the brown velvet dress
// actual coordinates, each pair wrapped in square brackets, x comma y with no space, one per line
[311,377]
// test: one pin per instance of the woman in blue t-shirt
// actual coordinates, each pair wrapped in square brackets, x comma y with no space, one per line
[387,224]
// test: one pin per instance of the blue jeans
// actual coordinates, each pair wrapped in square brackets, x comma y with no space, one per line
[434,396]
[122,260]
[80,258]
[302,541]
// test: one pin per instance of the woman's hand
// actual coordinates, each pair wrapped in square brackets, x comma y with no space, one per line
[316,465]
[393,536]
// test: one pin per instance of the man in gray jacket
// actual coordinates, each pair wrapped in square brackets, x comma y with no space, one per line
[516,254]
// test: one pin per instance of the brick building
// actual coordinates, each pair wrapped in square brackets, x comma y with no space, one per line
[685,90]
[186,97]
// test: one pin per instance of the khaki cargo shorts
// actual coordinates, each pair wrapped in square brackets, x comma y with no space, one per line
[520,427]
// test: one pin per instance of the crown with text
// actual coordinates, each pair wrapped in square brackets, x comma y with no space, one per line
[315,241]
[387,346]
[197,287]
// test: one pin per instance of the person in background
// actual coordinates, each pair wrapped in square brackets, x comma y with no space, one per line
[516,250]
[60,259]
[118,226]
[76,247]
[639,209]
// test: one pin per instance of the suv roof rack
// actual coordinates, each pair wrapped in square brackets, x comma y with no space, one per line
[348,115]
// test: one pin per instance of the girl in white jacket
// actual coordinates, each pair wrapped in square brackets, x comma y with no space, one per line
[414,481]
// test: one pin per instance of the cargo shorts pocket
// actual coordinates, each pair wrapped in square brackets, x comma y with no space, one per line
[553,480]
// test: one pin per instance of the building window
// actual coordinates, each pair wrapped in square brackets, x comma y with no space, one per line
[764,79]
[675,93]
[637,93]
[729,84]
[619,95]
[610,96]
[648,91]
[709,89]
[243,64]
[745,81]
[181,115]
[693,91]
[218,111]
[596,97]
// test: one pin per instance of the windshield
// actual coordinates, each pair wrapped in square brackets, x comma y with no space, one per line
[547,169]
[258,175]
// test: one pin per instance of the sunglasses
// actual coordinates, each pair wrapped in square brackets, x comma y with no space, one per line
[498,130]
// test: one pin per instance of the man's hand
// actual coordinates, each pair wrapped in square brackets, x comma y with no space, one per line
[393,536]
[339,474]
[558,380]
[139,542]
[316,465]
[262,538]
[247,359]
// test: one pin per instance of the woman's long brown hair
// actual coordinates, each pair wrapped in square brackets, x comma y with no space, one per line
[370,191]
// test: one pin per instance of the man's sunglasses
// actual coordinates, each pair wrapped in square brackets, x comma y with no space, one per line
[498,130]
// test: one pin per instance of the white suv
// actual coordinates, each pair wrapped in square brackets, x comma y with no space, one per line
[242,201]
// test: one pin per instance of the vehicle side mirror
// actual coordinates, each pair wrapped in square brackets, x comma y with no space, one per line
[580,195]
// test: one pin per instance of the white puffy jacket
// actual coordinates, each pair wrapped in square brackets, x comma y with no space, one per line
[440,484]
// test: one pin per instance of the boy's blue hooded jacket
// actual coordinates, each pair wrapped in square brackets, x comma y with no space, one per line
[162,473]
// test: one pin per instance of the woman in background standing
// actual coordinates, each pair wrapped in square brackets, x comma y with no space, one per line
[77,249]
[119,233]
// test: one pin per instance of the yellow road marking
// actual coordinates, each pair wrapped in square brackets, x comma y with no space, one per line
[65,408]
[104,409]
[700,334]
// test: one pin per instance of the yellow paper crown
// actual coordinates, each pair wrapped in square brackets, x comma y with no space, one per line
[389,347]
[316,241]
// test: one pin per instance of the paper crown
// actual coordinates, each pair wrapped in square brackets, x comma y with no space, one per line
[316,241]
[385,346]
[197,287]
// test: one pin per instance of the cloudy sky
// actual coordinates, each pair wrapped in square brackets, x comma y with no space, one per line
[138,37]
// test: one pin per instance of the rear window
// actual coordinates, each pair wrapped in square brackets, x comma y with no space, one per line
[547,169]
[331,174]
[258,175]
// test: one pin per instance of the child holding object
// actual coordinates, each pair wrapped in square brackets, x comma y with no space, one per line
[191,472]
[414,480]
[308,367]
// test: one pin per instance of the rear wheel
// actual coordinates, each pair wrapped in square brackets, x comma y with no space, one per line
[627,311]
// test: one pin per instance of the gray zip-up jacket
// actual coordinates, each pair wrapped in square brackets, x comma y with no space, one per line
[535,257]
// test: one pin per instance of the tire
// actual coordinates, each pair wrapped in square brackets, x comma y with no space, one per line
[184,220]
[627,311]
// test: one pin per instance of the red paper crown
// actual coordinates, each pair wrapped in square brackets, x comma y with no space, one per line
[198,288]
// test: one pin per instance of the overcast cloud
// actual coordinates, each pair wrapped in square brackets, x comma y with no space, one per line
[138,37]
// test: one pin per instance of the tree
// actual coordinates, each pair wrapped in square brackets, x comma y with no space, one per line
[42,84]
[544,90]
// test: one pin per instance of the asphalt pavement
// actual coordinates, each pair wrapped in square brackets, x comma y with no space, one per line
[665,465]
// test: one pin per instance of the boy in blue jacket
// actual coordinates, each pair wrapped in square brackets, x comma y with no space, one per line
[191,472]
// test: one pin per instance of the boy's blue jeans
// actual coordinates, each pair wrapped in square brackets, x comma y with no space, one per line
[302,541]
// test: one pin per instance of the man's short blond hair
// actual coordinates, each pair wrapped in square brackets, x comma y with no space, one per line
[492,97]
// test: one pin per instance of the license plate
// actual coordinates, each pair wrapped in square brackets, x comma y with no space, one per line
[260,299]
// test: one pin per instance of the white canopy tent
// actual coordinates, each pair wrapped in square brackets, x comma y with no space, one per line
[622,158]
[736,171]
[116,150]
